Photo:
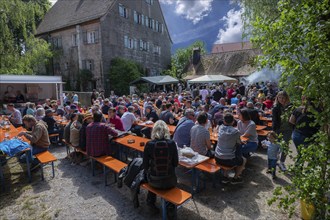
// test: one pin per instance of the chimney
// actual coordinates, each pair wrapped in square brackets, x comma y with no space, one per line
[196,55]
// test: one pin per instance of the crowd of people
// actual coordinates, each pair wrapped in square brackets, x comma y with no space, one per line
[231,110]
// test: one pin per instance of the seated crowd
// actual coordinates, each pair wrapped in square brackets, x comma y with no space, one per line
[231,111]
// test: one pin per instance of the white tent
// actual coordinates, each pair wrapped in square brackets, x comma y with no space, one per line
[34,87]
[212,79]
[158,80]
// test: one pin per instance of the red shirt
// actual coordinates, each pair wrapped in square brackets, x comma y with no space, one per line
[177,101]
[97,139]
[268,103]
[230,93]
[117,122]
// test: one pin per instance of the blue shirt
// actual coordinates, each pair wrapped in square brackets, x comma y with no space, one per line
[182,132]
[272,151]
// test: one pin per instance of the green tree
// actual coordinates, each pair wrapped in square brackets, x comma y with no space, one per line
[20,51]
[122,73]
[296,35]
[182,58]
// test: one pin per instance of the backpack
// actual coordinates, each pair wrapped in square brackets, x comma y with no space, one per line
[131,171]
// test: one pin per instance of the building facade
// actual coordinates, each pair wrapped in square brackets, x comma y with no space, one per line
[88,34]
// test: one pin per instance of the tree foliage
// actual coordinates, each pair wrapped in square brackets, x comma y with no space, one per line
[182,58]
[296,35]
[122,73]
[20,51]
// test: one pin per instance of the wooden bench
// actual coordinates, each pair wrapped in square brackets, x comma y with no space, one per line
[175,196]
[208,167]
[224,169]
[45,158]
[54,137]
[111,163]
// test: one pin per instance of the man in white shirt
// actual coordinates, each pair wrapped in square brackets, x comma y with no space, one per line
[129,118]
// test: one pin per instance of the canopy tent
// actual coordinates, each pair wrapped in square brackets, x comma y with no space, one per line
[36,86]
[157,80]
[212,79]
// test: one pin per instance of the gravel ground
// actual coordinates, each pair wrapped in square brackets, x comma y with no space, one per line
[75,194]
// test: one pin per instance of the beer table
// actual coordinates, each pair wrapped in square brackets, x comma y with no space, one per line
[9,132]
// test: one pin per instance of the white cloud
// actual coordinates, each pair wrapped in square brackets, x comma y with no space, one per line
[233,27]
[192,10]
[194,33]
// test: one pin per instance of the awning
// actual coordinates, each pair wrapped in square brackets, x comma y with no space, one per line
[212,78]
[158,80]
[30,79]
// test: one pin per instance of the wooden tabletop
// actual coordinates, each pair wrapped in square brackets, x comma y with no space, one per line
[170,127]
[137,140]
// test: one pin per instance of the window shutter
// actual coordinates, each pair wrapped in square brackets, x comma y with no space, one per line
[84,64]
[97,37]
[84,37]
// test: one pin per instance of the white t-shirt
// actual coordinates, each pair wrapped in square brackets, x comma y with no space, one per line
[128,119]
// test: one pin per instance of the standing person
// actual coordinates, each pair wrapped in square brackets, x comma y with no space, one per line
[204,94]
[97,137]
[160,158]
[38,136]
[228,148]
[15,117]
[273,151]
[75,98]
[247,128]
[94,96]
[200,137]
[304,125]
[282,126]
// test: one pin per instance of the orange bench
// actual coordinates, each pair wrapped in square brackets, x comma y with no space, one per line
[111,163]
[45,158]
[208,167]
[175,196]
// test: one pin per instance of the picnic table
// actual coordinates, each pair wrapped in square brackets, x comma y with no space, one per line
[10,132]
[133,142]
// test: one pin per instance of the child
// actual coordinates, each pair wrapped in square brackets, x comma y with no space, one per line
[273,151]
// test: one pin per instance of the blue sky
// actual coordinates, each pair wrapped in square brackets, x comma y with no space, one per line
[206,20]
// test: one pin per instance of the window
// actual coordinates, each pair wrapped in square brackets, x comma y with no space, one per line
[150,23]
[91,37]
[128,42]
[158,27]
[123,12]
[56,42]
[88,64]
[144,46]
[156,49]
[74,40]
[149,2]
[147,21]
[66,65]
[138,18]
